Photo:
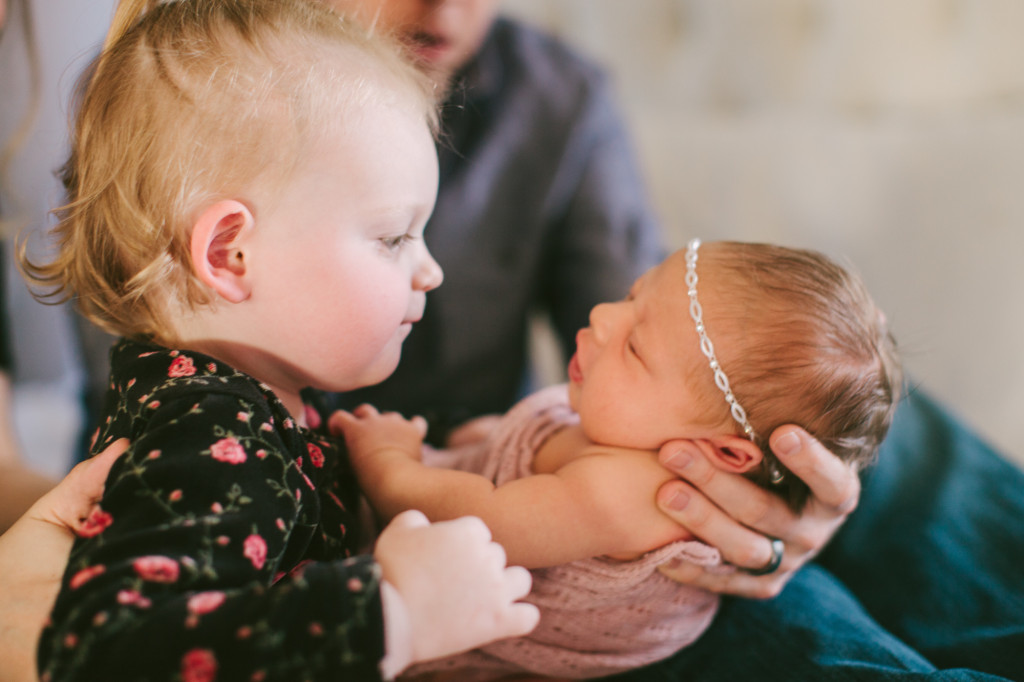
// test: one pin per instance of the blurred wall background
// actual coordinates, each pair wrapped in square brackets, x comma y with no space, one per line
[887,133]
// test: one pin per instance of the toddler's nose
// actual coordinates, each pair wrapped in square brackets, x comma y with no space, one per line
[429,274]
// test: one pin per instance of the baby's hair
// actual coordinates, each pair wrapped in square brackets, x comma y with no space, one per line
[190,102]
[806,345]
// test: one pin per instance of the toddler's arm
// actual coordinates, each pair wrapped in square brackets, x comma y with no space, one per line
[600,504]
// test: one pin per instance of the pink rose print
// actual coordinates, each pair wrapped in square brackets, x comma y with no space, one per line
[316,455]
[228,450]
[156,569]
[97,522]
[255,550]
[205,602]
[86,574]
[199,665]
[312,417]
[243,416]
[128,597]
[182,367]
[336,499]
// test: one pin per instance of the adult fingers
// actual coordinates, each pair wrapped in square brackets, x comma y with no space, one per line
[739,502]
[832,482]
[735,582]
[689,508]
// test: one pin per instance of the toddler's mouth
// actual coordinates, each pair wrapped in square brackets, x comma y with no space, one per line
[428,46]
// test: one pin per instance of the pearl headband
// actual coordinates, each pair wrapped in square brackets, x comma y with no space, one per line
[706,347]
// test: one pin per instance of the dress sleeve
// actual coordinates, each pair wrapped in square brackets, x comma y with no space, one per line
[194,568]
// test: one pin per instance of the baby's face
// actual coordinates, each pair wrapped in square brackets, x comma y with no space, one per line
[444,34]
[633,375]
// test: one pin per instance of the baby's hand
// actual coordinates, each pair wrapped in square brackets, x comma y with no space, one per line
[368,433]
[450,587]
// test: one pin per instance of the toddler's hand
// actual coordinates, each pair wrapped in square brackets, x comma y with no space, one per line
[453,586]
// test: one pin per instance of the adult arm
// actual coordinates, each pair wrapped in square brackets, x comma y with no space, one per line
[20,486]
[739,518]
[33,553]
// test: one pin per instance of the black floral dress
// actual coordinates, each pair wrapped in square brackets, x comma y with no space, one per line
[222,546]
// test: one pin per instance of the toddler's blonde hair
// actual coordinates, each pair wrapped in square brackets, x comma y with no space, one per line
[189,102]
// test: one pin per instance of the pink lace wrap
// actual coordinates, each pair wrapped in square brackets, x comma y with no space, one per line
[598,616]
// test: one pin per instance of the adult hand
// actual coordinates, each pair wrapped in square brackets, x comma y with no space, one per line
[34,553]
[739,518]
[447,589]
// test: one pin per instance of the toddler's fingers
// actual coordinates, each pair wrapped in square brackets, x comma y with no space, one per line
[518,582]
[521,620]
[411,518]
[474,528]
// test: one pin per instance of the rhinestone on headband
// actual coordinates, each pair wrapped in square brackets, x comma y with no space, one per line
[706,347]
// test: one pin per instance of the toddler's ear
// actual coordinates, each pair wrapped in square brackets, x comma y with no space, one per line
[734,453]
[218,249]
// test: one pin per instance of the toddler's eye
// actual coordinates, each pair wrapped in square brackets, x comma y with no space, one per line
[395,243]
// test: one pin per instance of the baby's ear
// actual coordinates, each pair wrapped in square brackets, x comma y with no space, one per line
[219,236]
[734,453]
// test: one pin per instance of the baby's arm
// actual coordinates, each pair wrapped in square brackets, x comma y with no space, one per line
[601,504]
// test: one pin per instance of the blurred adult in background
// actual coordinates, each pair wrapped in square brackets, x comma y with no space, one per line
[20,485]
